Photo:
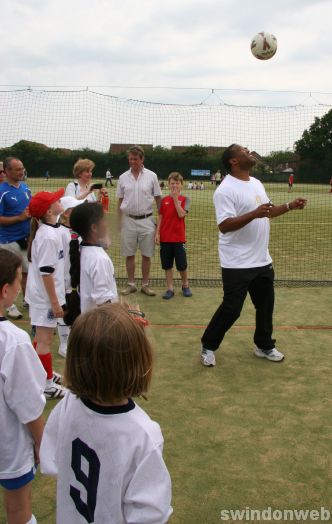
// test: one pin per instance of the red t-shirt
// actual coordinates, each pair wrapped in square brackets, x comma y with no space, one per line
[172,228]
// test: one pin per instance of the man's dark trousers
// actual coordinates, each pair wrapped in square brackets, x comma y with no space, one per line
[237,283]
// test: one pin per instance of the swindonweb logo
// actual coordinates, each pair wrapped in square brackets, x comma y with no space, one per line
[274,515]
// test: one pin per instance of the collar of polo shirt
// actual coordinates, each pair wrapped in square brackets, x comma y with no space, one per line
[141,171]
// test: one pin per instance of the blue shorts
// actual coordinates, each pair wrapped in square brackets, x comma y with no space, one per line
[19,482]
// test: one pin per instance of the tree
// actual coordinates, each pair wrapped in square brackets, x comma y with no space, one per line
[276,160]
[315,148]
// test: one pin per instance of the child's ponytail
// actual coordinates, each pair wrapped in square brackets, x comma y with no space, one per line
[81,219]
[33,230]
[73,302]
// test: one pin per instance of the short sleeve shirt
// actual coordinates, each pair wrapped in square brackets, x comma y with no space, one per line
[47,257]
[73,189]
[22,383]
[13,201]
[138,194]
[249,246]
[172,227]
[97,280]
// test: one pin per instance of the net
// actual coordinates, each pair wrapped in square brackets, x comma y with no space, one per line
[99,126]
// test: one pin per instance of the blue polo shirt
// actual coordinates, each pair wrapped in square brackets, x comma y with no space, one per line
[13,201]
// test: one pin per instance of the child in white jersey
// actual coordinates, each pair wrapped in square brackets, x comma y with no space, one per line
[45,291]
[104,449]
[91,269]
[68,203]
[22,382]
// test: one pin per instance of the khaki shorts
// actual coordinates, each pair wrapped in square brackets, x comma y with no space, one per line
[42,317]
[137,234]
[22,253]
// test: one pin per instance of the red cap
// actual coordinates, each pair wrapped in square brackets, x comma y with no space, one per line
[42,201]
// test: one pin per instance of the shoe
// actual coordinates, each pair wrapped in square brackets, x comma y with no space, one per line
[186,292]
[62,350]
[54,391]
[208,358]
[57,378]
[274,355]
[25,304]
[13,312]
[129,289]
[147,291]
[168,294]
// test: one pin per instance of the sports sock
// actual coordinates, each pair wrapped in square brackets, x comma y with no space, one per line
[46,360]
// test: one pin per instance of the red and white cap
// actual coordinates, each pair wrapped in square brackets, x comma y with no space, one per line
[41,202]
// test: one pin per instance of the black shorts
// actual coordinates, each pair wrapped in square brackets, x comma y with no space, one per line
[173,250]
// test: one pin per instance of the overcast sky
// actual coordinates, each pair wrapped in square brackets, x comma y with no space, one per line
[202,45]
[180,43]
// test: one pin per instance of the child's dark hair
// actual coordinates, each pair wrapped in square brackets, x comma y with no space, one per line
[9,264]
[81,219]
[109,356]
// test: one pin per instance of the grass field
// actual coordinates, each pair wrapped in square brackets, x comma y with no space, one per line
[248,433]
[301,242]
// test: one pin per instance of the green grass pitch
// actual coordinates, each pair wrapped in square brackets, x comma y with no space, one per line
[248,432]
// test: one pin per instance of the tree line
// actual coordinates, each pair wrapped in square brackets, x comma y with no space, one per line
[311,158]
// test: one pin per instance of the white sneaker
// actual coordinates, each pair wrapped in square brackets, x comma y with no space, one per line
[57,378]
[13,312]
[62,350]
[274,355]
[208,358]
[54,391]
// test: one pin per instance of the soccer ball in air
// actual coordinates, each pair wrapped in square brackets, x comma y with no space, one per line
[264,46]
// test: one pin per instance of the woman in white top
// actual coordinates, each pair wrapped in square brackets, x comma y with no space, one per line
[81,187]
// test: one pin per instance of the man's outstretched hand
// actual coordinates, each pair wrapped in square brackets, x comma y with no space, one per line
[298,203]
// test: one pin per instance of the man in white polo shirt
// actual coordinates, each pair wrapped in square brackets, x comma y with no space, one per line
[137,189]
[243,212]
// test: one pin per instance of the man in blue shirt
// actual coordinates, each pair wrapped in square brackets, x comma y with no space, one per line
[14,215]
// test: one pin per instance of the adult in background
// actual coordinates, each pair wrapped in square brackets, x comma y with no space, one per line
[243,211]
[108,178]
[218,177]
[81,188]
[15,218]
[137,189]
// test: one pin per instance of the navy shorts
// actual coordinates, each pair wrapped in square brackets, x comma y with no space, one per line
[170,251]
[19,482]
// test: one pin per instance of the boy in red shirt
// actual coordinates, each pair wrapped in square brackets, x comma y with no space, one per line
[171,233]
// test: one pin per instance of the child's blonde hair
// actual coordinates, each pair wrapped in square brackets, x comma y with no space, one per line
[109,356]
[175,175]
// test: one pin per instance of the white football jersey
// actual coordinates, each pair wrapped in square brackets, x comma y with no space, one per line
[47,257]
[109,464]
[97,281]
[22,383]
